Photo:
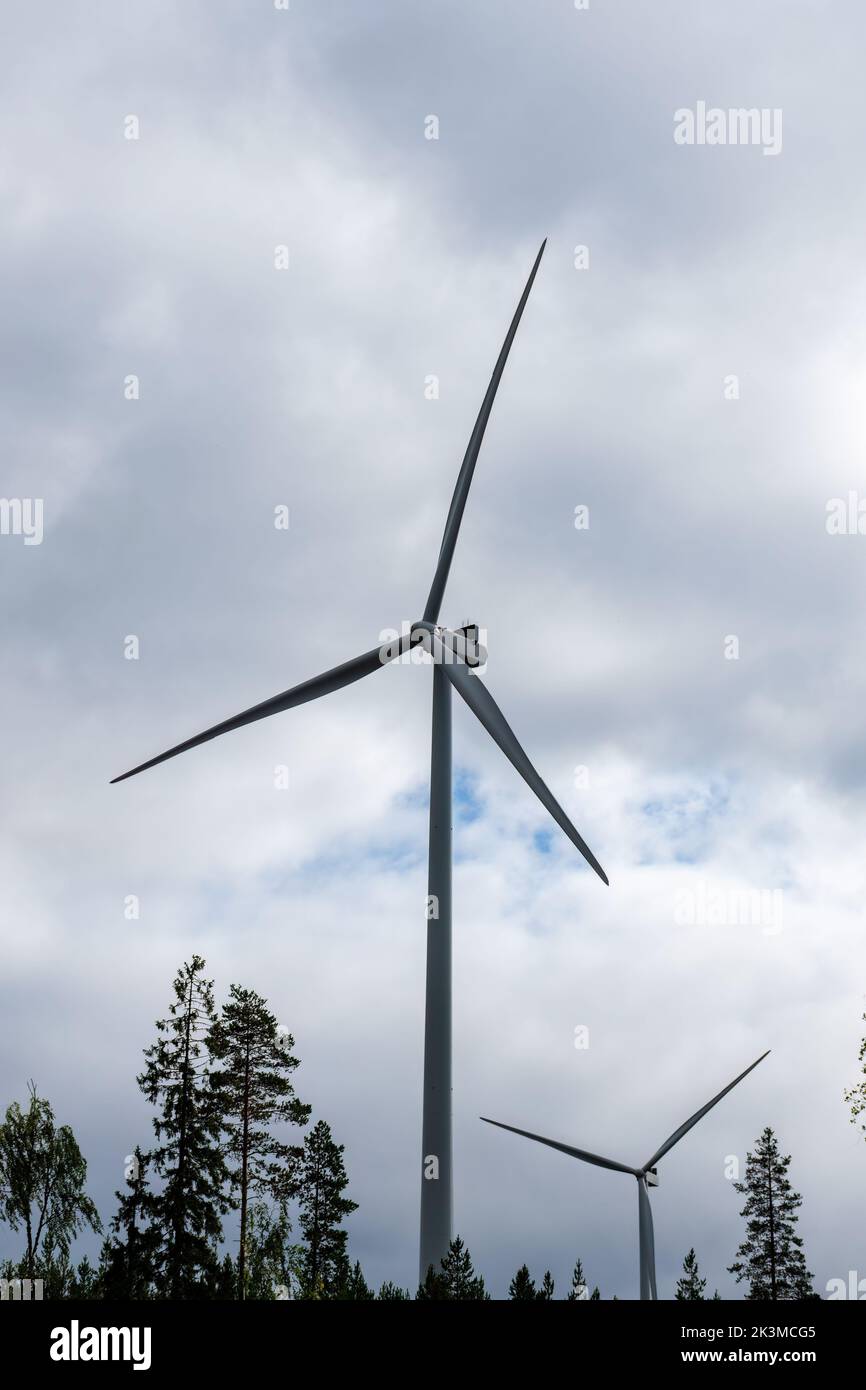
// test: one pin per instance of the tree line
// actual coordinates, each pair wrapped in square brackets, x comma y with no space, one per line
[221,1084]
[231,1136]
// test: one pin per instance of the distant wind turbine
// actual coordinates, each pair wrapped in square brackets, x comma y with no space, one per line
[455,652]
[647,1177]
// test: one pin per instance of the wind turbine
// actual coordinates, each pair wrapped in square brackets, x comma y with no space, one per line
[647,1177]
[454,652]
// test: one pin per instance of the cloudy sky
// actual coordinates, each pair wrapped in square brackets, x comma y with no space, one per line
[698,385]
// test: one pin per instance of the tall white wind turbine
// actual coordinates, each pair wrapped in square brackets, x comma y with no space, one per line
[455,652]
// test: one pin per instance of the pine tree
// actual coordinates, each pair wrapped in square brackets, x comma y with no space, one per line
[579,1292]
[188,1157]
[128,1259]
[690,1286]
[856,1097]
[42,1185]
[321,1182]
[522,1286]
[458,1276]
[545,1293]
[455,1279]
[254,1085]
[771,1257]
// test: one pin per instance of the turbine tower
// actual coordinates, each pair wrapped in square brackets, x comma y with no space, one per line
[647,1177]
[455,652]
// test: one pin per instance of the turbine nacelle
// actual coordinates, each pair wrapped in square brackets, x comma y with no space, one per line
[652,1177]
[446,644]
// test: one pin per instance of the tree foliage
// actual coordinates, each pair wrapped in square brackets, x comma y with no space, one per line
[253,1082]
[579,1291]
[855,1097]
[42,1186]
[455,1279]
[188,1157]
[128,1265]
[522,1287]
[321,1184]
[690,1285]
[274,1262]
[771,1256]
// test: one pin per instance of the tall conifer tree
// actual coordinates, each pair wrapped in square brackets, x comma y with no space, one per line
[321,1184]
[771,1256]
[253,1079]
[188,1157]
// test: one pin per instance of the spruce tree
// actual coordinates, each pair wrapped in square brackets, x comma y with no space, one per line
[522,1286]
[253,1080]
[545,1292]
[771,1257]
[188,1158]
[128,1259]
[690,1286]
[321,1183]
[42,1187]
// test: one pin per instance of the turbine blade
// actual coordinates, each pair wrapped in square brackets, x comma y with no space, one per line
[467,468]
[566,1149]
[698,1115]
[486,710]
[331,680]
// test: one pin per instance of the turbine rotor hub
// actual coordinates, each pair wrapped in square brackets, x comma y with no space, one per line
[463,641]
